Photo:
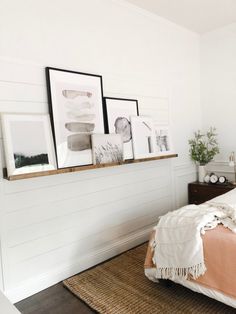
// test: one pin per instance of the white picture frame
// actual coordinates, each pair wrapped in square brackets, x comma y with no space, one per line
[163,140]
[117,112]
[107,148]
[28,143]
[144,145]
[76,109]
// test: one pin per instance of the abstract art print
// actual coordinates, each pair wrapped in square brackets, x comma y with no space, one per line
[28,143]
[143,137]
[117,112]
[163,140]
[107,148]
[75,102]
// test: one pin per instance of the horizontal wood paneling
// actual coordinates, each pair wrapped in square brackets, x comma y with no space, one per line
[12,70]
[72,266]
[183,175]
[55,226]
[10,106]
[21,200]
[63,179]
[47,212]
[81,247]
[87,227]
[11,91]
[50,222]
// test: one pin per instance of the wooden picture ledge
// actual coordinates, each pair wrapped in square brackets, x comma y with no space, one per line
[82,168]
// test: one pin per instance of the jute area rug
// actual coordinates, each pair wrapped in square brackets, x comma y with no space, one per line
[120,287]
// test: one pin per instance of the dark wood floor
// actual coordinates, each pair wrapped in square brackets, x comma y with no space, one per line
[54,300]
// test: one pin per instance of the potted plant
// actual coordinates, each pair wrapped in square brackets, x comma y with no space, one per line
[203,148]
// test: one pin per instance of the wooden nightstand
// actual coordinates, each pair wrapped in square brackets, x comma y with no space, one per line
[201,192]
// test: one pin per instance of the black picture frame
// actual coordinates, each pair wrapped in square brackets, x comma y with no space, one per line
[83,104]
[117,112]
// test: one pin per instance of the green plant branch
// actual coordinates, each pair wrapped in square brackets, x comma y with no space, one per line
[204,147]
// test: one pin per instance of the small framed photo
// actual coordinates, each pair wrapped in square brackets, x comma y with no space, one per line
[143,137]
[117,112]
[163,140]
[107,148]
[28,143]
[76,109]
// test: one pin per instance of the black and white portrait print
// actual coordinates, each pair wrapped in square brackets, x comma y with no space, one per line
[117,120]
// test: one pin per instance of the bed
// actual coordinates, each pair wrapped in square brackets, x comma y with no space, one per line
[219,247]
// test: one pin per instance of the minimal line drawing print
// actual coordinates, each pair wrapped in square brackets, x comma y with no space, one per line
[149,139]
[143,137]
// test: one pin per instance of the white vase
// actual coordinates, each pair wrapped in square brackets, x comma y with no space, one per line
[201,173]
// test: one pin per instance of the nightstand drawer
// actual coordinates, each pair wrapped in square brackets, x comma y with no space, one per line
[201,192]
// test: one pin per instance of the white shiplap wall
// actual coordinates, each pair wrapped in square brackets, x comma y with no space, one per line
[68,222]
[56,226]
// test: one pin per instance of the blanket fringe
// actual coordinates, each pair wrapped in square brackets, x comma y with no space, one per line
[184,273]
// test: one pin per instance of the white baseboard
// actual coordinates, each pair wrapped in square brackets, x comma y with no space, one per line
[45,280]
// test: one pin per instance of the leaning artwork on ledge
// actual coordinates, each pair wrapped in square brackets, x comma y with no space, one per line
[28,143]
[75,104]
[143,137]
[117,112]
[107,148]
[163,140]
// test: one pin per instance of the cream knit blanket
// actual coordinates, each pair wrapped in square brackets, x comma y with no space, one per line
[178,248]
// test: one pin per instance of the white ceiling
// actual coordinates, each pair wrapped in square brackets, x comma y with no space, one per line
[197,15]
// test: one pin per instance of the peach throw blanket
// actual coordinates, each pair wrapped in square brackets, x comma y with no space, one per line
[219,247]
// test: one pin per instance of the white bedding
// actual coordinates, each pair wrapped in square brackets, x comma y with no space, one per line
[228,198]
